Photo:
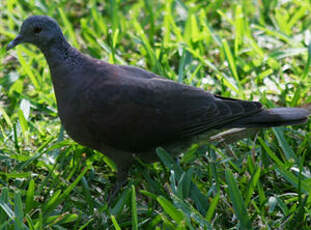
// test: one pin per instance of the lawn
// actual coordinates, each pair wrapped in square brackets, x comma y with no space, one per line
[252,50]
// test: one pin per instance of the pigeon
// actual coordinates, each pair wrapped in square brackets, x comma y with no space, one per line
[123,110]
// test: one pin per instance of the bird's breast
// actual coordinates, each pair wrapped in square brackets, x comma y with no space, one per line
[74,113]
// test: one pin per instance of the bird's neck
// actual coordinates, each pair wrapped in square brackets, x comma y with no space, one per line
[60,53]
[64,61]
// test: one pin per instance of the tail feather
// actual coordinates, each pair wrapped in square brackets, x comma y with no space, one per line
[272,117]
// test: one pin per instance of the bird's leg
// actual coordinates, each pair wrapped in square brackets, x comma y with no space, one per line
[123,161]
[121,179]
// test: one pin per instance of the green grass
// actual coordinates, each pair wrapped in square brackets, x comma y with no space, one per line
[254,50]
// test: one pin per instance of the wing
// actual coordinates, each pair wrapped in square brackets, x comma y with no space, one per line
[134,72]
[139,113]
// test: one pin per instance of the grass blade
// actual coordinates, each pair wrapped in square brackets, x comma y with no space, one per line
[237,202]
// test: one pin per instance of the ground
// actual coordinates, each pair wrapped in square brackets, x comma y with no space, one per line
[254,50]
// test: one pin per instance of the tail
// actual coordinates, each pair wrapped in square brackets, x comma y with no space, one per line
[272,117]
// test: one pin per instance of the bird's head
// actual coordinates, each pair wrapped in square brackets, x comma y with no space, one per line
[41,31]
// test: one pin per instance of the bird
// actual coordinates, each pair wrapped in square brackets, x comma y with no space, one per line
[123,110]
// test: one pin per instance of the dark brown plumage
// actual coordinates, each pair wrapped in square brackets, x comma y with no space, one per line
[121,110]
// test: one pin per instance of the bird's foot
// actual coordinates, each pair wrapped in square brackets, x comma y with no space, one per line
[121,180]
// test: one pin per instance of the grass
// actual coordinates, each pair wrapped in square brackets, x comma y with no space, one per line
[254,50]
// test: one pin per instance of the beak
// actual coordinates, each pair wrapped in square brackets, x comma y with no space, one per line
[15,42]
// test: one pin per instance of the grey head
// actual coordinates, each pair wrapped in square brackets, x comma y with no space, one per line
[41,31]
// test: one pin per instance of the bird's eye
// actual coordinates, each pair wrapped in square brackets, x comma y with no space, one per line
[37,30]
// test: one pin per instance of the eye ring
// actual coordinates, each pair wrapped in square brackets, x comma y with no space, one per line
[37,29]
